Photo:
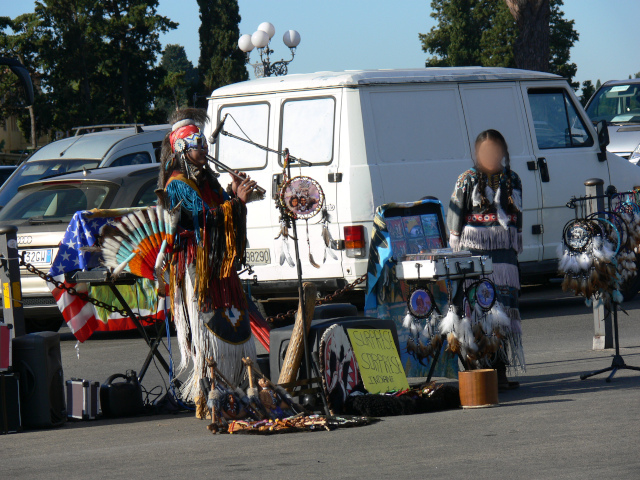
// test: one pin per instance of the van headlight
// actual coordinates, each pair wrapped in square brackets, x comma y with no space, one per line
[635,155]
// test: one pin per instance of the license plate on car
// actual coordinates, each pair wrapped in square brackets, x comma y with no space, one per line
[42,256]
[258,256]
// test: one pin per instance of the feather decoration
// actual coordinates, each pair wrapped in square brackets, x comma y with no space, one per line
[408,320]
[466,334]
[499,318]
[475,197]
[503,220]
[449,321]
[516,196]
[139,242]
[584,261]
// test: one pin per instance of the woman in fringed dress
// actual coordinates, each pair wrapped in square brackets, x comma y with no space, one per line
[485,217]
[208,304]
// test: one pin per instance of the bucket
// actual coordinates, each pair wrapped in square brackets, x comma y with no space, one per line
[478,388]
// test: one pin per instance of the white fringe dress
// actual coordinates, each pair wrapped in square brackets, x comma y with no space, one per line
[495,230]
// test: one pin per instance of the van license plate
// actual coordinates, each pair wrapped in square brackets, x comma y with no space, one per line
[38,257]
[258,256]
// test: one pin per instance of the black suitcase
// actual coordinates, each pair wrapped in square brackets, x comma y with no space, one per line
[37,358]
[121,399]
[10,419]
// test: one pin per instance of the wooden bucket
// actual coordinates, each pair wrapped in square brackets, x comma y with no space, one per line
[478,388]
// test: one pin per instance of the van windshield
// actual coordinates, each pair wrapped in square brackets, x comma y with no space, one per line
[33,171]
[618,104]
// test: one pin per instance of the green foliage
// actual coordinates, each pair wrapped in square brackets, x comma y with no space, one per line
[483,32]
[221,61]
[180,81]
[588,90]
[22,38]
[91,61]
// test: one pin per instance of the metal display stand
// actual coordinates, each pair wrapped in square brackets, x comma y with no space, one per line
[464,270]
[594,202]
[102,277]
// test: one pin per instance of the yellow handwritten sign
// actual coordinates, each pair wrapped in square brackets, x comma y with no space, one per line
[378,360]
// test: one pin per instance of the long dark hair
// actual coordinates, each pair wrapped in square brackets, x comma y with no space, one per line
[495,136]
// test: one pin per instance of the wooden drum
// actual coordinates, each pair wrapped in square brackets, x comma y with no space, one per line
[478,388]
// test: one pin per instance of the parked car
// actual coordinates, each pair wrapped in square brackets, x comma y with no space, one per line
[618,103]
[42,211]
[95,146]
[5,172]
[381,136]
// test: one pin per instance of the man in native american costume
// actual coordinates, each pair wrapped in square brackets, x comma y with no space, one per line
[209,307]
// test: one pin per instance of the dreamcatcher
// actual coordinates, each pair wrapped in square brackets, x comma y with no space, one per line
[594,255]
[423,342]
[301,198]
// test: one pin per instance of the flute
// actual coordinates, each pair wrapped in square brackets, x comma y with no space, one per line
[222,166]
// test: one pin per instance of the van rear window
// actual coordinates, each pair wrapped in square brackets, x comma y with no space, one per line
[307,128]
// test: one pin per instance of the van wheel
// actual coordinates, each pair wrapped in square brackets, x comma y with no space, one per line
[47,324]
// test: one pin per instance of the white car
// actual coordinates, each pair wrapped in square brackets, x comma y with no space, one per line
[95,146]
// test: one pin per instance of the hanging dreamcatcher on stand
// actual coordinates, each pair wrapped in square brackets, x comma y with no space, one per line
[299,198]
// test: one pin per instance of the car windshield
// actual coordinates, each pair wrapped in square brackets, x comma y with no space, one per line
[618,104]
[33,171]
[54,203]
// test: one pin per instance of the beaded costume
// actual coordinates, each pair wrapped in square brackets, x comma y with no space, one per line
[208,304]
[491,224]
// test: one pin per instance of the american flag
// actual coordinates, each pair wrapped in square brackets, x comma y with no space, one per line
[82,317]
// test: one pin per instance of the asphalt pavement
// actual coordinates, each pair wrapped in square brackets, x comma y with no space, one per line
[555,426]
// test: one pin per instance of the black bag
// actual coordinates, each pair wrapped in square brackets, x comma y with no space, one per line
[121,399]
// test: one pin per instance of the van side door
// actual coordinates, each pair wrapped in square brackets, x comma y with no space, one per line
[499,105]
[566,154]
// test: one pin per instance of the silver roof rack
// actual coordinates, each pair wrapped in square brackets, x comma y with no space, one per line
[107,126]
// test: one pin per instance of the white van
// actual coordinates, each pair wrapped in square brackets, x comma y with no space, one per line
[384,136]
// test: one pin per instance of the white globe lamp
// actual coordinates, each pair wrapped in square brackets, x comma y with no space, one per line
[291,38]
[260,38]
[268,28]
[245,43]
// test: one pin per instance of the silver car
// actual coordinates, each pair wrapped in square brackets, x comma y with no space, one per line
[618,103]
[42,211]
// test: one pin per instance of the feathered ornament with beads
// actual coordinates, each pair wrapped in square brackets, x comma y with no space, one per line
[139,242]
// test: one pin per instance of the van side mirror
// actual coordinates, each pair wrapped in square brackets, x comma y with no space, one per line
[603,139]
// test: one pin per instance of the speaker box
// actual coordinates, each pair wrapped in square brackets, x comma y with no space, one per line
[10,420]
[279,339]
[37,358]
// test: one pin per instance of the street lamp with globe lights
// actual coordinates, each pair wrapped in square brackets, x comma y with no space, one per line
[260,40]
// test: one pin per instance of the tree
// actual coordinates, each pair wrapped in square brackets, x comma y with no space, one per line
[180,79]
[531,49]
[587,91]
[598,84]
[484,32]
[22,38]
[221,61]
[563,37]
[132,28]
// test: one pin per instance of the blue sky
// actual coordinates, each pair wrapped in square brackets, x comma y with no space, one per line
[357,34]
